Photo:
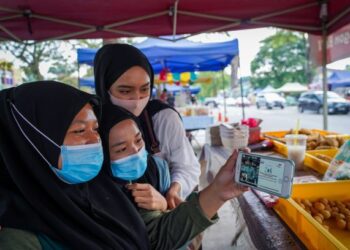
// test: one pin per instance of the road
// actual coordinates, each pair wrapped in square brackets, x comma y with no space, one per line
[285,119]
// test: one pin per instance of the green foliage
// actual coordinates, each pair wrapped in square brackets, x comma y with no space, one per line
[347,67]
[4,65]
[31,54]
[211,89]
[282,58]
[64,72]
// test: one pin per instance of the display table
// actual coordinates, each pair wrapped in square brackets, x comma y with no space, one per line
[192,123]
[266,230]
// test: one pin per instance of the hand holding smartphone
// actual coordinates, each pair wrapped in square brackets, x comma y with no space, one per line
[268,174]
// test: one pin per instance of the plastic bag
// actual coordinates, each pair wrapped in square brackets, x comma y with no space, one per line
[339,168]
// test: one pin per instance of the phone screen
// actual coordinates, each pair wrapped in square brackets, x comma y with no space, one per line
[262,173]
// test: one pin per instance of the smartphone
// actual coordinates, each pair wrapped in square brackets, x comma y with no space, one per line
[269,174]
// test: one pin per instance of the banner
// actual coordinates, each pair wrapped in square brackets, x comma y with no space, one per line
[338,46]
[234,72]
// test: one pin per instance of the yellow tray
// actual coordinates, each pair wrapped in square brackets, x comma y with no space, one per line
[281,147]
[317,164]
[310,160]
[309,231]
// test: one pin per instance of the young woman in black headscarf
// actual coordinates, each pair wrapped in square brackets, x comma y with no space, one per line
[124,77]
[53,193]
[50,156]
[145,178]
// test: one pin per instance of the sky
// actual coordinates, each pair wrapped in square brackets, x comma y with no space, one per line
[249,45]
[248,40]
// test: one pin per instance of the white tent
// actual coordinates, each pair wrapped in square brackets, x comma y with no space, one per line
[292,87]
[268,89]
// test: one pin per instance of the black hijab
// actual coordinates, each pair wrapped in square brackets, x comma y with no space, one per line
[93,215]
[113,115]
[112,60]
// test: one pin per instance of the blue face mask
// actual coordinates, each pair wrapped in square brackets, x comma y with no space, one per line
[80,163]
[131,167]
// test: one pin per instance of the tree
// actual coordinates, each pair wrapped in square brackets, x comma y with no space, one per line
[347,67]
[217,84]
[32,54]
[282,58]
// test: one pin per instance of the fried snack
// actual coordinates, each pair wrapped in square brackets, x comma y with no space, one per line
[311,145]
[341,224]
[325,147]
[305,131]
[332,142]
[324,210]
[314,137]
[341,141]
[316,141]
[324,157]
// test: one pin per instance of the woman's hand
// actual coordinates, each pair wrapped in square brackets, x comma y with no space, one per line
[172,195]
[222,188]
[146,196]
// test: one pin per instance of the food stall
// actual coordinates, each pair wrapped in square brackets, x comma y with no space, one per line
[317,216]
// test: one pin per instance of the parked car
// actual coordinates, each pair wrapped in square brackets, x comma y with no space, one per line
[313,100]
[211,102]
[246,102]
[270,100]
[230,101]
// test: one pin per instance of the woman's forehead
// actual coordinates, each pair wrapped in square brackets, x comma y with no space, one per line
[124,129]
[85,114]
[134,74]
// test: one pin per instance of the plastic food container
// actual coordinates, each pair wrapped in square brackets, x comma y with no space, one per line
[308,230]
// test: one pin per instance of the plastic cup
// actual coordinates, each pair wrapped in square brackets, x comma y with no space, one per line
[296,145]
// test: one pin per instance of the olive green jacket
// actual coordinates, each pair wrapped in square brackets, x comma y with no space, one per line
[166,230]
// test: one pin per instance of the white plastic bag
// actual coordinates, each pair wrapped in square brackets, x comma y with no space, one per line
[339,168]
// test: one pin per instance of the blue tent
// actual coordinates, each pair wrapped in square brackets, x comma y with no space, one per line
[180,56]
[339,79]
[175,89]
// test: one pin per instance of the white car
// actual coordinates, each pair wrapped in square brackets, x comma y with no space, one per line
[270,100]
[245,103]
[229,101]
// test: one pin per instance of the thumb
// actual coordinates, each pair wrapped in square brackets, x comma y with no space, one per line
[231,161]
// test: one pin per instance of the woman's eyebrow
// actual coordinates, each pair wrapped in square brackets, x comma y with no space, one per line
[146,84]
[118,144]
[125,87]
[79,121]
[138,134]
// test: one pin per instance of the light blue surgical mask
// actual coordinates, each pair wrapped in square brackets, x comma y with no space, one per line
[80,163]
[131,167]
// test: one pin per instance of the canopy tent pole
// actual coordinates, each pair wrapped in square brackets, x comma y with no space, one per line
[78,75]
[223,88]
[241,86]
[13,36]
[175,18]
[323,16]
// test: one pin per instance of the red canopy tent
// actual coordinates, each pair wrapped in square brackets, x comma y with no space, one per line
[74,19]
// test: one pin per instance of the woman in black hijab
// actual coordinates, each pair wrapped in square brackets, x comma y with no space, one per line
[53,194]
[124,77]
[129,162]
[43,190]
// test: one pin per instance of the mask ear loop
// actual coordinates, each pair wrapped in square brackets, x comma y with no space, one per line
[13,107]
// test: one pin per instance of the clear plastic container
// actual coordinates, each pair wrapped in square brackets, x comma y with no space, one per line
[296,147]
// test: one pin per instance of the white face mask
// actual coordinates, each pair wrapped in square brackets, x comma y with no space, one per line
[133,106]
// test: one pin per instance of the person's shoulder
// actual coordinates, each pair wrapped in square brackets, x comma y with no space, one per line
[12,239]
[160,162]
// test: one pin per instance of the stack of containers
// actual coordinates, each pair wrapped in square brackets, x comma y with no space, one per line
[234,137]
